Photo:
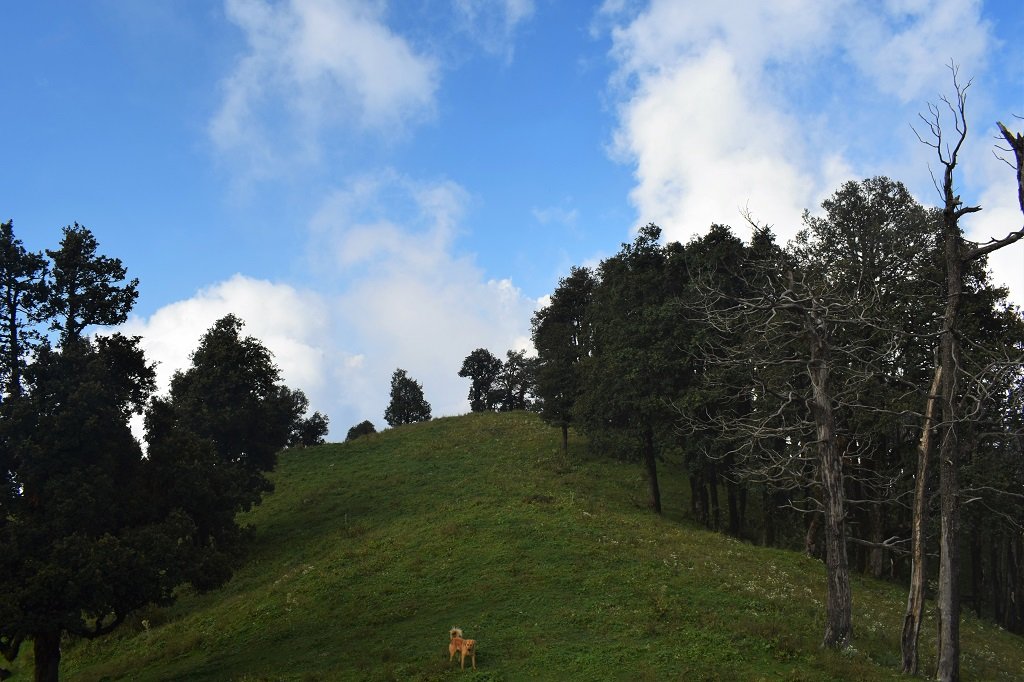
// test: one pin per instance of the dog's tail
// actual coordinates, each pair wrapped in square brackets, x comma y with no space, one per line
[455,632]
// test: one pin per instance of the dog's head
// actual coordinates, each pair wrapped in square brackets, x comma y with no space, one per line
[455,632]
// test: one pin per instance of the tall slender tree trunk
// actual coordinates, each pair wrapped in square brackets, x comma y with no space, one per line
[716,509]
[948,669]
[838,597]
[651,465]
[565,439]
[46,654]
[977,572]
[915,595]
[768,514]
[735,515]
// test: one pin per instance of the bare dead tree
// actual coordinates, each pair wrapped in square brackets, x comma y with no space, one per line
[804,375]
[958,253]
[915,594]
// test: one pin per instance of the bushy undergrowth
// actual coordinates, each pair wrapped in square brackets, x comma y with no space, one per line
[369,551]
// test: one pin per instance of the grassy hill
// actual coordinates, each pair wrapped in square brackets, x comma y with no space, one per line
[368,553]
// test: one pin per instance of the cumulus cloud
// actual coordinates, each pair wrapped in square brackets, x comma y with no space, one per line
[393,290]
[405,296]
[291,323]
[769,107]
[310,65]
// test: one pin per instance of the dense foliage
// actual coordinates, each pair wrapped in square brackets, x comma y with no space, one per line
[407,405]
[363,428]
[798,376]
[92,528]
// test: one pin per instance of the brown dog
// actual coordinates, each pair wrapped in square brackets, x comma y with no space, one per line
[465,647]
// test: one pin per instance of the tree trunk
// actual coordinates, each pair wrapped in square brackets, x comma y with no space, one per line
[716,510]
[838,598]
[948,606]
[695,495]
[915,595]
[811,547]
[995,578]
[565,439]
[735,515]
[768,514]
[46,651]
[651,464]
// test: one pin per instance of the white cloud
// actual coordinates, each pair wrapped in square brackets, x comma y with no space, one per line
[393,291]
[906,48]
[493,23]
[311,65]
[405,296]
[705,149]
[771,106]
[289,322]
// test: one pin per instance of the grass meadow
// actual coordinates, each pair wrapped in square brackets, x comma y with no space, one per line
[368,552]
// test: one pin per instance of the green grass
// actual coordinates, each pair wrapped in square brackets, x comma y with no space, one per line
[368,552]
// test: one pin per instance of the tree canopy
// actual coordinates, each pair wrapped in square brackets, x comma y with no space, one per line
[80,552]
[407,404]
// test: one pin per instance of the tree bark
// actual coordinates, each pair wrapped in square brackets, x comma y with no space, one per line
[915,595]
[838,597]
[948,606]
[46,653]
[651,465]
[768,514]
[716,510]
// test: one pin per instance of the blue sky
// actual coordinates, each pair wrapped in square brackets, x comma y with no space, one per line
[374,184]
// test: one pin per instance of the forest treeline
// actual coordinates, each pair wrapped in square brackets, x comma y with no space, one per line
[858,391]
[91,527]
[792,384]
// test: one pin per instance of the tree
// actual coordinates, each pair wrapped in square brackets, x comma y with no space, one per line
[21,291]
[562,339]
[514,385]
[80,552]
[211,442]
[635,369]
[958,254]
[363,428]
[231,397]
[83,288]
[877,244]
[407,404]
[304,431]
[482,369]
[309,431]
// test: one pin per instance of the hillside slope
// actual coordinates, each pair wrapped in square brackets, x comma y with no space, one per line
[368,552]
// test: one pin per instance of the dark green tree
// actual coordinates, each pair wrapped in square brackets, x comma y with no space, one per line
[407,404]
[635,368]
[363,428]
[562,339]
[231,397]
[513,387]
[211,442]
[80,552]
[482,369]
[21,292]
[309,431]
[305,431]
[714,262]
[85,288]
